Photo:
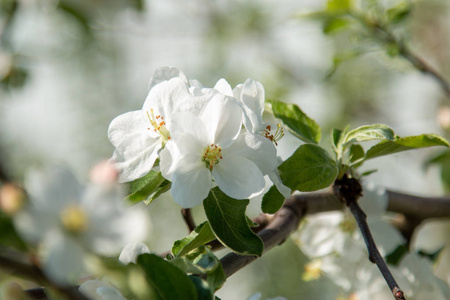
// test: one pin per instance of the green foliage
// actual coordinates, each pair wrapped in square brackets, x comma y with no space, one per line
[406,143]
[272,201]
[8,234]
[203,263]
[228,221]
[298,123]
[310,168]
[167,280]
[148,188]
[368,133]
[339,5]
[198,237]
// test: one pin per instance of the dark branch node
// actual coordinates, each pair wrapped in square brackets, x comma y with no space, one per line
[348,189]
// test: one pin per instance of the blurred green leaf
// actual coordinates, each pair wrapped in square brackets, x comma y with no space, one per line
[169,282]
[198,237]
[272,201]
[399,12]
[9,236]
[369,132]
[443,161]
[228,221]
[405,144]
[310,168]
[148,187]
[339,5]
[298,123]
[333,25]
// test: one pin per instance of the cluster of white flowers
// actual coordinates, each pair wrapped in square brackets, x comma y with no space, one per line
[201,136]
[68,222]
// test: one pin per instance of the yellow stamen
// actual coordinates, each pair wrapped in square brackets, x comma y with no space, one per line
[212,154]
[74,219]
[159,126]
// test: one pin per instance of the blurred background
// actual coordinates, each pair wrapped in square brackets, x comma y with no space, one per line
[68,67]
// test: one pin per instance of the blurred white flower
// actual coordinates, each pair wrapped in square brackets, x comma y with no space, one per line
[100,290]
[337,232]
[418,281]
[131,251]
[210,147]
[433,236]
[68,221]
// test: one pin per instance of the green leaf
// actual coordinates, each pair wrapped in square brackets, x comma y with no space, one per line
[228,221]
[369,132]
[356,153]
[406,143]
[310,168]
[168,281]
[202,287]
[298,123]
[272,201]
[198,237]
[148,187]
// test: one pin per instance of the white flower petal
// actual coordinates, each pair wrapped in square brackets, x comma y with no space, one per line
[164,98]
[165,73]
[131,251]
[223,87]
[223,119]
[238,177]
[251,95]
[64,261]
[189,133]
[256,148]
[135,161]
[191,182]
[129,126]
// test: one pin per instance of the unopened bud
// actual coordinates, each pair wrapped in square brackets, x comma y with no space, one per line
[104,173]
[443,117]
[12,198]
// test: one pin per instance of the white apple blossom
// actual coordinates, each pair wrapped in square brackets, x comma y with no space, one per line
[140,135]
[251,97]
[208,149]
[68,221]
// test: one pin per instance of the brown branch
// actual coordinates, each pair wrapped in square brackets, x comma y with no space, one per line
[283,223]
[188,219]
[19,265]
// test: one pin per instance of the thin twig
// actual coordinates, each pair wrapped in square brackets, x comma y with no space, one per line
[374,254]
[349,190]
[385,35]
[187,217]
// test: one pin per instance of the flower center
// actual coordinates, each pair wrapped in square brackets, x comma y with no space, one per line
[159,126]
[74,219]
[211,156]
[348,224]
[275,137]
